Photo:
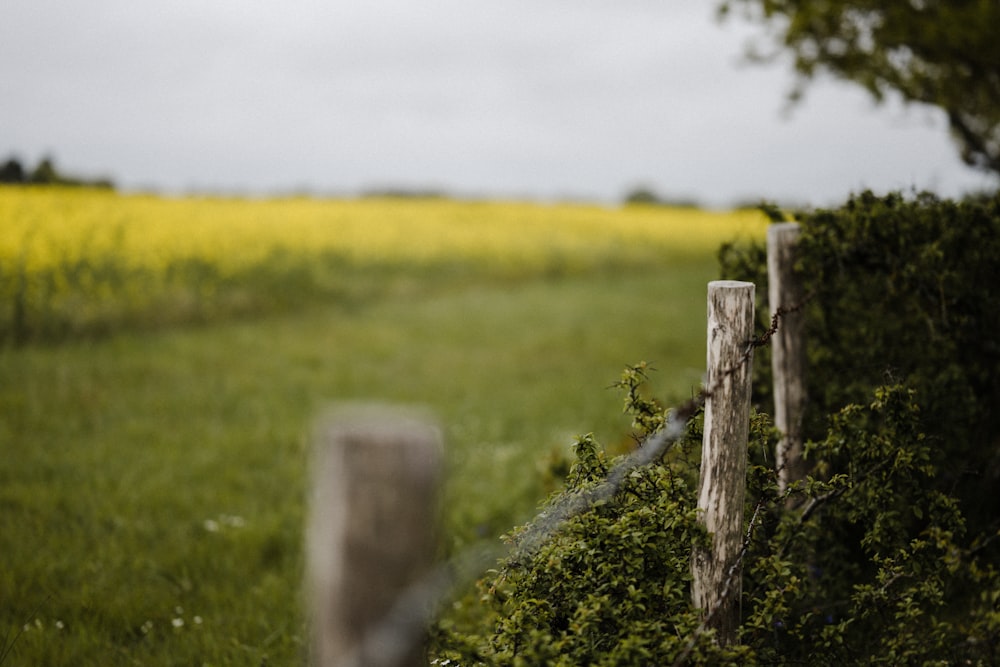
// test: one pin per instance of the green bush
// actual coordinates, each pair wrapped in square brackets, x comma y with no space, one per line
[900,292]
[885,554]
[872,569]
[610,585]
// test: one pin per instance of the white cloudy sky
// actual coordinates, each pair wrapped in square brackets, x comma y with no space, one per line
[546,99]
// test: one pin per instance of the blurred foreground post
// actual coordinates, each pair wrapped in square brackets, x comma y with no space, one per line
[788,360]
[371,537]
[716,586]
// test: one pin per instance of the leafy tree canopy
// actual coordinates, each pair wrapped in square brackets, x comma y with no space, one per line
[939,52]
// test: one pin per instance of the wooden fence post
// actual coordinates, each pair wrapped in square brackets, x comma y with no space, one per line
[716,586]
[371,535]
[788,354]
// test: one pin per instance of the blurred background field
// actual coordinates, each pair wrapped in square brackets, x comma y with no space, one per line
[163,361]
[77,262]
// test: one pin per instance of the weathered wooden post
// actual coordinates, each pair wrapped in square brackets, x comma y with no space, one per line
[371,536]
[788,354]
[716,586]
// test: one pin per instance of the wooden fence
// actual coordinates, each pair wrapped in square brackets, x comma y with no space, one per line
[370,539]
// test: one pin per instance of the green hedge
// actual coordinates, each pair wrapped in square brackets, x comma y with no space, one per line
[890,557]
[902,291]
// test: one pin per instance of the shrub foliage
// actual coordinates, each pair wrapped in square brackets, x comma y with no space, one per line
[885,554]
[900,292]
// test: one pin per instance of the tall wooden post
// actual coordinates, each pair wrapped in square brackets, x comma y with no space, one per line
[716,587]
[371,536]
[788,354]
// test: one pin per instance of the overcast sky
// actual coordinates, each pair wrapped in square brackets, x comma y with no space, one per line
[546,99]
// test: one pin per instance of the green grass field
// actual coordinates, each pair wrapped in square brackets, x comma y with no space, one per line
[152,484]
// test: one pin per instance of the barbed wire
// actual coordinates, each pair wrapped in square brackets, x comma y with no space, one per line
[415,608]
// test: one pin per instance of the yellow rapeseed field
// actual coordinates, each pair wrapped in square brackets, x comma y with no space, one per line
[81,254]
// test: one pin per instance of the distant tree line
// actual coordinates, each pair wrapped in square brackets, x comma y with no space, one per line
[647,196]
[13,172]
